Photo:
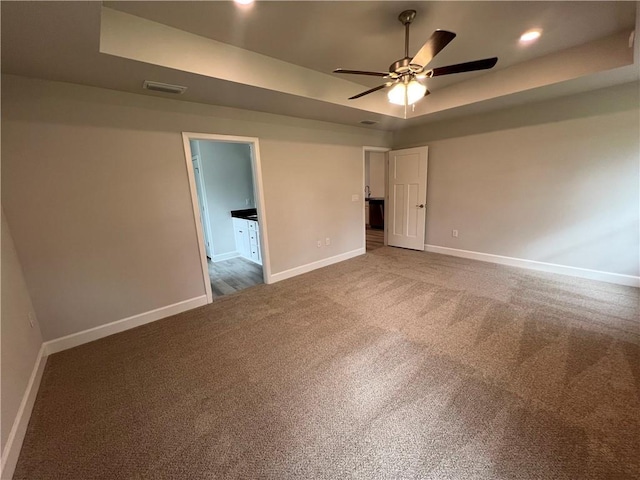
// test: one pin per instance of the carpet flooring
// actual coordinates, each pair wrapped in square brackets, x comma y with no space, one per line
[392,365]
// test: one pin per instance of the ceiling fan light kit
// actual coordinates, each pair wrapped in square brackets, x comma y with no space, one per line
[404,74]
[407,94]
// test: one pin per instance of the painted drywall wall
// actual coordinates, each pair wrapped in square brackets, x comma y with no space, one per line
[226,169]
[20,342]
[313,184]
[105,227]
[555,182]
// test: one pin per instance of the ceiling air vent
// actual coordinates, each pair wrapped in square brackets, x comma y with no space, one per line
[368,122]
[163,87]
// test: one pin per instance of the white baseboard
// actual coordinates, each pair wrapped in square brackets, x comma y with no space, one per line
[224,256]
[75,339]
[618,278]
[12,448]
[292,272]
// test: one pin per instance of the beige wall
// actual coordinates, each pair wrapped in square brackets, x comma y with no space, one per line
[20,342]
[313,183]
[555,182]
[95,187]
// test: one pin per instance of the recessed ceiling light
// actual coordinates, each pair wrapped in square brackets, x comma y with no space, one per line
[244,2]
[530,36]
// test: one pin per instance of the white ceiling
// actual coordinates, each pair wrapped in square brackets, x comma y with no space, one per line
[61,41]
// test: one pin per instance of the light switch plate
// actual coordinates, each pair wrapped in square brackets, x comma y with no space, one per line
[355,197]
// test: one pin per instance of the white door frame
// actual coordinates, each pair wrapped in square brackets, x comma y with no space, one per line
[256,168]
[366,149]
[206,220]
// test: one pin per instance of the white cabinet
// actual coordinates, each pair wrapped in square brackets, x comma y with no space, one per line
[254,241]
[241,233]
[247,234]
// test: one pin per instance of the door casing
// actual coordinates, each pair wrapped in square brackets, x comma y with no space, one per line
[206,222]
[366,149]
[256,168]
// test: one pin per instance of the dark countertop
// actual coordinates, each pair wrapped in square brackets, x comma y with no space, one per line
[375,199]
[247,214]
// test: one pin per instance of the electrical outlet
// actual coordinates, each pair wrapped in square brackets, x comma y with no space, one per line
[454,233]
[355,197]
[327,241]
[319,243]
[31,320]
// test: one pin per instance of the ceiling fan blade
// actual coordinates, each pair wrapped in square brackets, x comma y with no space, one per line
[438,40]
[374,89]
[465,67]
[360,72]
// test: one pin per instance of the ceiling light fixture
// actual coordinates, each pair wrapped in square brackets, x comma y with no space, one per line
[404,75]
[406,93]
[530,36]
[244,2]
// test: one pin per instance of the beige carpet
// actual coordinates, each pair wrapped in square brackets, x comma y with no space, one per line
[393,365]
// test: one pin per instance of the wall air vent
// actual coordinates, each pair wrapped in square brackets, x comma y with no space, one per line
[164,87]
[368,122]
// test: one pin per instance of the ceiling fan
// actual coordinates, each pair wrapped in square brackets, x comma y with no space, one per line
[404,75]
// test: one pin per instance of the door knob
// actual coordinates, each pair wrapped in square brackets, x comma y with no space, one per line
[420,206]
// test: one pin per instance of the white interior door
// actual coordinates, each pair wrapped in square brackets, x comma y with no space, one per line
[407,198]
[202,203]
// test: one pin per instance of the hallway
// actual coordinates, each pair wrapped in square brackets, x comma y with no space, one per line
[230,276]
[375,239]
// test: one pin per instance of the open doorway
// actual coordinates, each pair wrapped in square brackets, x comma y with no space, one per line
[223,174]
[375,196]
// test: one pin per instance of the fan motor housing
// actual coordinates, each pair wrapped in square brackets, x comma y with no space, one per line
[404,65]
[401,66]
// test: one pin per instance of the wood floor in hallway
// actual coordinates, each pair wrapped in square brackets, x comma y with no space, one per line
[230,276]
[375,239]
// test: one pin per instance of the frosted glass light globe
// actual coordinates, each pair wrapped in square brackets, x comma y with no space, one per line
[408,93]
[415,91]
[397,93]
